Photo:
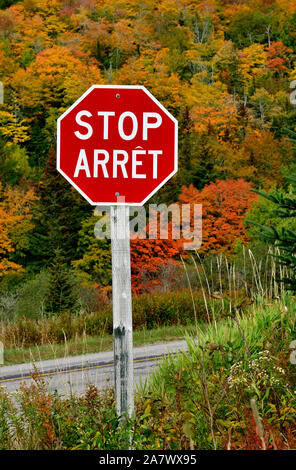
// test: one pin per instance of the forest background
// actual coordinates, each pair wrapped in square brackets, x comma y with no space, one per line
[224,69]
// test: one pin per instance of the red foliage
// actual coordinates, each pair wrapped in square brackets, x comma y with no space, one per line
[273,439]
[152,261]
[277,56]
[224,206]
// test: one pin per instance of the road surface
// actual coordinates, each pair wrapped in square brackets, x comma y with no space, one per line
[72,375]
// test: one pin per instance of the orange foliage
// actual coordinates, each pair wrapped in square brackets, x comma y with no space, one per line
[224,205]
[56,76]
[147,71]
[214,110]
[264,156]
[15,223]
[153,260]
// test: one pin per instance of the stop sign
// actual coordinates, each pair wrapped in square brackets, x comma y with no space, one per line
[117,141]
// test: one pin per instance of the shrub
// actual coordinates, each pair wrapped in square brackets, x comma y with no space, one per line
[149,311]
[28,298]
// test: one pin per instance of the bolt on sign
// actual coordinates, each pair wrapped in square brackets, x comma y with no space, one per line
[117,145]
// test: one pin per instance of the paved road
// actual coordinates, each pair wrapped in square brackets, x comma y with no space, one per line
[74,374]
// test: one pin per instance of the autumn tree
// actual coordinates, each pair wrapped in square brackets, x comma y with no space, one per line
[93,263]
[153,260]
[278,56]
[56,78]
[15,227]
[150,259]
[6,246]
[221,68]
[224,205]
[265,157]
[14,163]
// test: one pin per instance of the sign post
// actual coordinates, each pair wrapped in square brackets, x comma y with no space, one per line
[117,145]
[122,310]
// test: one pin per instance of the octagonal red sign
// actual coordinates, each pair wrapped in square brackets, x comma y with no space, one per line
[117,141]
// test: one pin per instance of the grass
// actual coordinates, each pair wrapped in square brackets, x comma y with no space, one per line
[150,311]
[214,385]
[233,389]
[93,344]
[212,292]
[204,399]
[256,324]
[265,325]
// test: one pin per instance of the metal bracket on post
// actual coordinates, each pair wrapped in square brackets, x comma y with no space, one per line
[122,310]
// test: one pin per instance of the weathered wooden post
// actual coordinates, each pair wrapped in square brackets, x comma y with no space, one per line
[122,310]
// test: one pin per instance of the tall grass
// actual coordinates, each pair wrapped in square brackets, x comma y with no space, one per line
[150,311]
[246,308]
[248,277]
[243,319]
[256,365]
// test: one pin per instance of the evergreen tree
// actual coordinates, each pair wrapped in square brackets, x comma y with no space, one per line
[61,295]
[58,217]
[283,238]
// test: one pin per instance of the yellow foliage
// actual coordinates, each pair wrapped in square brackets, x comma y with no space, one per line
[13,130]
[15,224]
[212,107]
[252,61]
[147,71]
[56,76]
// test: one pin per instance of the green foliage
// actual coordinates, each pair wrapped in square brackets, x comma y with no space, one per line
[199,399]
[265,213]
[203,166]
[213,383]
[95,255]
[57,216]
[292,137]
[13,163]
[7,3]
[283,236]
[61,294]
[25,300]
[28,57]
[39,144]
[288,32]
[248,27]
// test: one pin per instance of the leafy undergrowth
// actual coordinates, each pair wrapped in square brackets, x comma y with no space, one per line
[234,389]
